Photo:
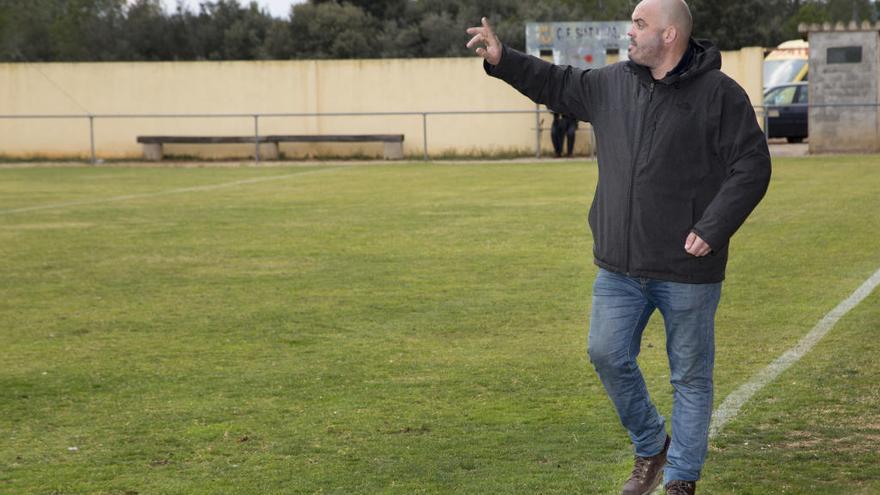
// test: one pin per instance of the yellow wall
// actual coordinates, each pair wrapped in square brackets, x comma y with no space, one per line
[746,66]
[391,85]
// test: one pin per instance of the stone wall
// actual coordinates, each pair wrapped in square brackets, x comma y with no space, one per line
[842,81]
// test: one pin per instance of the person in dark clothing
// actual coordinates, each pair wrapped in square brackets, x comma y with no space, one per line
[682,163]
[564,127]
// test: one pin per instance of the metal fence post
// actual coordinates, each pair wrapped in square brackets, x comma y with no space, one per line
[92,138]
[594,153]
[425,133]
[537,131]
[766,123]
[257,139]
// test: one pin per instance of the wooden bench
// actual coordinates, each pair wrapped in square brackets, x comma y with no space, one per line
[268,145]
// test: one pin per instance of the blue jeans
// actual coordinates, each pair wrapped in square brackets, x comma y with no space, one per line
[621,308]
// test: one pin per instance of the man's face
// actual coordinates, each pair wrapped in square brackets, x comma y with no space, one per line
[646,35]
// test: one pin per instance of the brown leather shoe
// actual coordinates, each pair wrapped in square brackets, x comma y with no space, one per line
[679,487]
[647,473]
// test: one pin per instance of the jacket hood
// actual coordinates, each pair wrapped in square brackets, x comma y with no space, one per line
[706,57]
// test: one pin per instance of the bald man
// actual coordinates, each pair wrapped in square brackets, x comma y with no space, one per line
[682,163]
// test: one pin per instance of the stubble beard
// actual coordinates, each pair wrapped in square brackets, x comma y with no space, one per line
[644,54]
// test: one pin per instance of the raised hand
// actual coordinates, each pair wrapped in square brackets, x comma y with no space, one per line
[488,45]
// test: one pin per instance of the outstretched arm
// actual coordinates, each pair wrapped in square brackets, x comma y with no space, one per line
[563,88]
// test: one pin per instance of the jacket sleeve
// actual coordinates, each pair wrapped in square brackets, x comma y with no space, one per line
[564,89]
[742,149]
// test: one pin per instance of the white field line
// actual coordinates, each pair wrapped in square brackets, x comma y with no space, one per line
[734,402]
[182,190]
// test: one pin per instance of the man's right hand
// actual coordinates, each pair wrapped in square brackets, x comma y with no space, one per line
[488,45]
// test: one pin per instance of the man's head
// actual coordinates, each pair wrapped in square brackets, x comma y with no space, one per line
[660,32]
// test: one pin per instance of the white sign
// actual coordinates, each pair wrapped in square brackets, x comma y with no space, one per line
[580,44]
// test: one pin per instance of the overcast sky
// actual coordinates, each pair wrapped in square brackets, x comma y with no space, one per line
[277,8]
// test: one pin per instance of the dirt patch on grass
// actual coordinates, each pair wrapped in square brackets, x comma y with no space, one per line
[854,443]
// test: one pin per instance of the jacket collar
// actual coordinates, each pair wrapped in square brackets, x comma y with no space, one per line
[700,57]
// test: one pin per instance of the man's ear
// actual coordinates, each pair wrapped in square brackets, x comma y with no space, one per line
[670,34]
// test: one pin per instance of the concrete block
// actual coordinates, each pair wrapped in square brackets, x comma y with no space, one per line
[393,151]
[153,151]
[269,151]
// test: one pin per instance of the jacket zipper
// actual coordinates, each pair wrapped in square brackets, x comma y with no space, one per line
[632,181]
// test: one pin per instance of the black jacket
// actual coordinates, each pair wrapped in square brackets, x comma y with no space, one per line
[683,154]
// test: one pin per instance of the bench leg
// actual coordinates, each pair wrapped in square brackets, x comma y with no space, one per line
[153,151]
[269,151]
[393,151]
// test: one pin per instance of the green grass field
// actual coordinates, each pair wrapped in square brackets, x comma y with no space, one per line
[400,329]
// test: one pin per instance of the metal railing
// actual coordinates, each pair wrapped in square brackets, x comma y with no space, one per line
[762,110]
[91,117]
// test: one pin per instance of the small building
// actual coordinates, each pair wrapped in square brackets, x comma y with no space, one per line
[844,92]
